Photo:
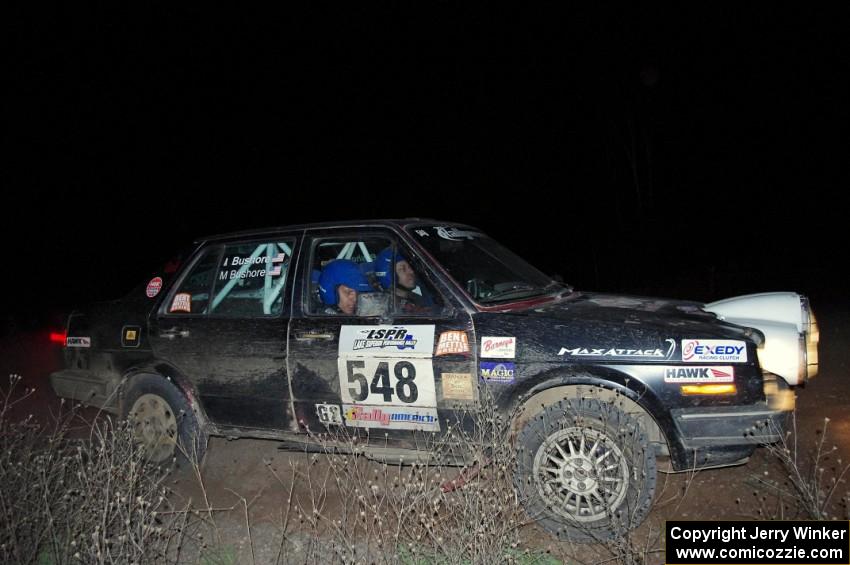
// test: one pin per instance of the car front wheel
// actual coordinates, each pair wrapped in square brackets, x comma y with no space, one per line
[585,469]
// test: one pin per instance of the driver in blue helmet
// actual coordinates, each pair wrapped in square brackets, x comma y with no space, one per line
[339,285]
[413,297]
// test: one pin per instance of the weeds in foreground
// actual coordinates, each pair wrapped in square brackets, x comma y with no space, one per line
[813,482]
[94,499]
[65,500]
[425,512]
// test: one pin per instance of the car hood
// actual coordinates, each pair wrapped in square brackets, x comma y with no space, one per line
[588,327]
[681,317]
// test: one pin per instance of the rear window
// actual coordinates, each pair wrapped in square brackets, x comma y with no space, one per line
[242,280]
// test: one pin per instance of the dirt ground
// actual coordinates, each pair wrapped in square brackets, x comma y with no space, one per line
[253,477]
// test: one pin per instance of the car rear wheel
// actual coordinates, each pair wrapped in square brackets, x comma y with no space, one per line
[163,422]
[585,469]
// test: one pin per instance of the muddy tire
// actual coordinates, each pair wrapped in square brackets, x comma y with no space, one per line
[585,470]
[163,422]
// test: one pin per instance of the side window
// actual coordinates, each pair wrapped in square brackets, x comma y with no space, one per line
[403,277]
[193,295]
[368,276]
[250,279]
[342,281]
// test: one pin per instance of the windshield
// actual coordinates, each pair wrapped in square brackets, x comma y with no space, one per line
[489,272]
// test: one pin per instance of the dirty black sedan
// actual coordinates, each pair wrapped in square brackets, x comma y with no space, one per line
[399,326]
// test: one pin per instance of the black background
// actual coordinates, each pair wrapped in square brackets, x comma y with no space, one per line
[693,154]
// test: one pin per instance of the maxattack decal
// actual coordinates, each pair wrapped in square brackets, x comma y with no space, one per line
[713,351]
[452,343]
[77,341]
[182,303]
[497,372]
[622,353]
[457,386]
[386,341]
[717,374]
[498,347]
[154,286]
[396,417]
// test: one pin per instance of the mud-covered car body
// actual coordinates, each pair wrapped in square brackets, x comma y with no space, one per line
[238,329]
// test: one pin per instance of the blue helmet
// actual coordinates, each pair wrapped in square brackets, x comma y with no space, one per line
[337,272]
[385,266]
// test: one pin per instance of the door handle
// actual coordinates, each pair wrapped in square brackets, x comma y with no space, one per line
[310,336]
[172,333]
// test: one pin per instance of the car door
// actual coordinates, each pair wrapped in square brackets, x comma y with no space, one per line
[224,326]
[395,371]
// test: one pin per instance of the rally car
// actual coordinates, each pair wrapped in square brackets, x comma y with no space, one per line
[399,327]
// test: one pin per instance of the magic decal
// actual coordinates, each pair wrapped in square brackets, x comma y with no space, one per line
[497,372]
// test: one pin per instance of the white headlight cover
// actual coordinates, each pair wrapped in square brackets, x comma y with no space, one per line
[789,328]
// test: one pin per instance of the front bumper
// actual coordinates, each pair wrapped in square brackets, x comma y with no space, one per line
[717,436]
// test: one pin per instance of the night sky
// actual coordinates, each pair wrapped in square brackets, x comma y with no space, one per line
[668,152]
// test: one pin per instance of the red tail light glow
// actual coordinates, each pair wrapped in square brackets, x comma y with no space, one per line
[57,337]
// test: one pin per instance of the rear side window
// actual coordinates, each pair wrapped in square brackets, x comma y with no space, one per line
[250,279]
[193,294]
[242,280]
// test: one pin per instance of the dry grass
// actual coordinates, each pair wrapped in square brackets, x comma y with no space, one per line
[812,481]
[65,500]
[425,512]
[94,499]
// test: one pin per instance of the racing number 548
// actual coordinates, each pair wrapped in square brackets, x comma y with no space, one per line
[404,372]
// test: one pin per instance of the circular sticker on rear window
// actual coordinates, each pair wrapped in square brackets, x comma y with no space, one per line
[154,287]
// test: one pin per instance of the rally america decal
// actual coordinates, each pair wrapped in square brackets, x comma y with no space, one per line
[386,377]
[397,418]
[77,342]
[713,351]
[498,347]
[715,374]
[622,353]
